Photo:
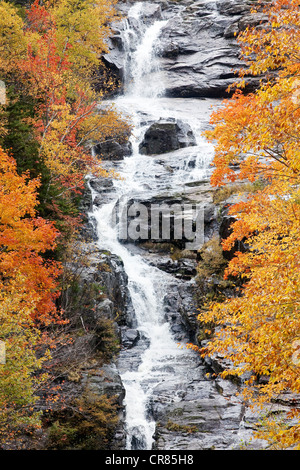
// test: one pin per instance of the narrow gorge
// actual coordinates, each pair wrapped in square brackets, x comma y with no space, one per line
[175,61]
[149,218]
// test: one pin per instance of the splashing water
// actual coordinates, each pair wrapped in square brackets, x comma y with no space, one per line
[147,284]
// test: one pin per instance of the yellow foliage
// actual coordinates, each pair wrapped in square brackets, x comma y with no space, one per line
[27,294]
[261,131]
[83,31]
[13,44]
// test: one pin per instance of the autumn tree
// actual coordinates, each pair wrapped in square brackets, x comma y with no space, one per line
[83,29]
[28,290]
[12,40]
[49,123]
[259,330]
[69,117]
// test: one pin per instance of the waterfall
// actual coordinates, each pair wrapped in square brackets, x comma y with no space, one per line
[141,67]
[170,403]
[148,285]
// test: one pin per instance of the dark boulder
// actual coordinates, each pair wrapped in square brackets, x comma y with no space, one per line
[166,136]
[113,149]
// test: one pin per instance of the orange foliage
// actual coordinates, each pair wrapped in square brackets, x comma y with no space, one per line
[67,115]
[23,238]
[28,290]
[49,58]
[261,133]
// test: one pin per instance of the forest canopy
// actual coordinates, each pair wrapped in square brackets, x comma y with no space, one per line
[50,54]
[256,137]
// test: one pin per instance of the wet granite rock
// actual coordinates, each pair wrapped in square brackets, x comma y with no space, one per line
[129,337]
[165,136]
[198,51]
[106,381]
[112,276]
[209,416]
[113,149]
[101,184]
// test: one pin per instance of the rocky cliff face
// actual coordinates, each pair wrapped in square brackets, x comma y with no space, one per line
[199,54]
[204,413]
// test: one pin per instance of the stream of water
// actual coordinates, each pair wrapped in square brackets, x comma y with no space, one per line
[143,99]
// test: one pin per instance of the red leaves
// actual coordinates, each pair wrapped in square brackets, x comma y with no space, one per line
[39,19]
[257,140]
[37,55]
[23,238]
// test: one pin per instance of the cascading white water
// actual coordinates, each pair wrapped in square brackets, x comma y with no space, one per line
[141,63]
[147,287]
[148,284]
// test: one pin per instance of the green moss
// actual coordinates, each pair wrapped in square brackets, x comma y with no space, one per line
[225,192]
[88,423]
[172,426]
[212,261]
